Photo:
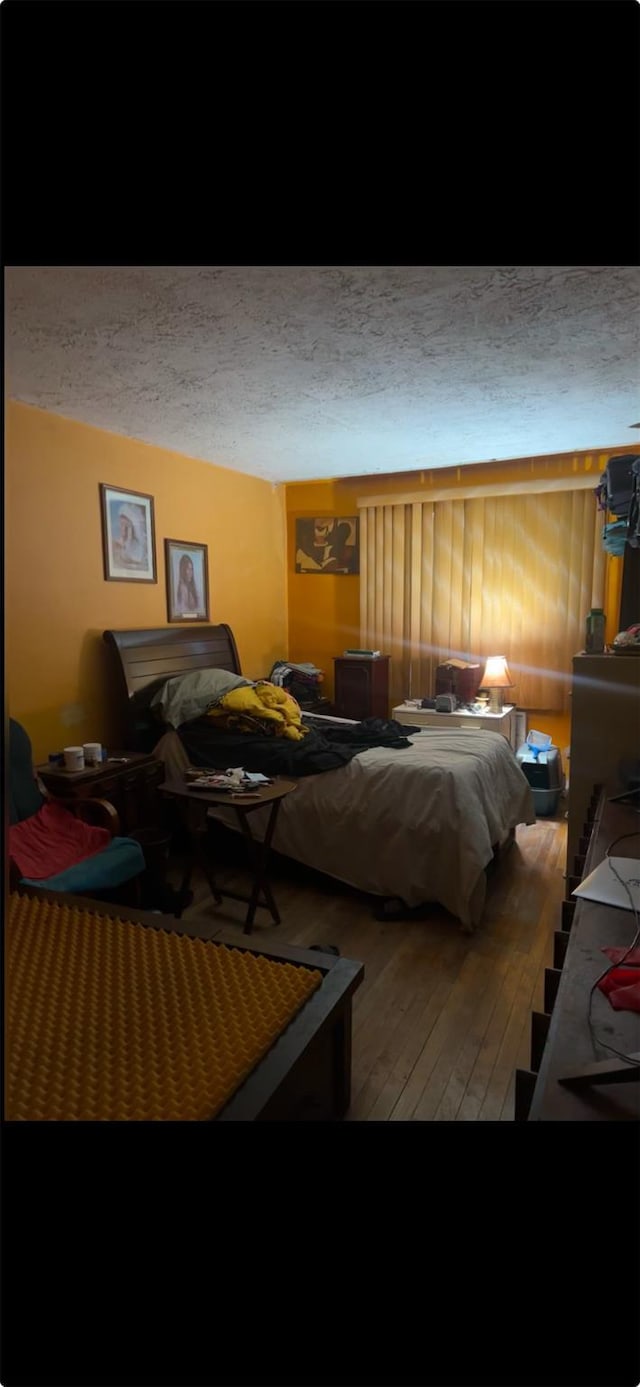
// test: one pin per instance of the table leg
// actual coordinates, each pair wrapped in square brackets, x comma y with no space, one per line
[202,858]
[198,856]
[260,852]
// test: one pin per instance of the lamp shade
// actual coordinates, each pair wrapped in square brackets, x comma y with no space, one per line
[496,674]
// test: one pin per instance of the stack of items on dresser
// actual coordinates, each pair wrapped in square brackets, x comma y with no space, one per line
[458,679]
[303,681]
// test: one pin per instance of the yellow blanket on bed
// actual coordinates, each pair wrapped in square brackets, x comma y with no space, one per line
[262,707]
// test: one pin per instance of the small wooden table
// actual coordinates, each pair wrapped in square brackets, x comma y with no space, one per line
[128,779]
[243,804]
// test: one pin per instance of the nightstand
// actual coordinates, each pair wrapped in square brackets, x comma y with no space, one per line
[504,722]
[361,687]
[130,785]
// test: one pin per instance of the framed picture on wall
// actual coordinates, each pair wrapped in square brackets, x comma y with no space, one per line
[327,544]
[128,535]
[186,566]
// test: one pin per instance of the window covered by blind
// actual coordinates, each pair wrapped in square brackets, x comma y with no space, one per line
[511,574]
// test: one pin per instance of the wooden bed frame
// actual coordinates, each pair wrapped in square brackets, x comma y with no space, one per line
[306,1075]
[141,658]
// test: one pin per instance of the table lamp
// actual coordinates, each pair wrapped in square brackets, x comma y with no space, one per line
[496,677]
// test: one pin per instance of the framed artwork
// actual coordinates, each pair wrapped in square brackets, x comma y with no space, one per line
[128,535]
[328,544]
[186,567]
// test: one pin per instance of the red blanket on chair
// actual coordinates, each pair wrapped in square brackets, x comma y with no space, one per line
[52,840]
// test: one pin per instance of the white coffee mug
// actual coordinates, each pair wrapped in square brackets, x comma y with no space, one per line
[74,758]
[92,753]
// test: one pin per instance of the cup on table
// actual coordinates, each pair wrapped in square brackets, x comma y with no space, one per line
[92,753]
[74,758]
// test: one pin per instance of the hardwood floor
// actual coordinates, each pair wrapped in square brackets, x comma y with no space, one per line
[442,1019]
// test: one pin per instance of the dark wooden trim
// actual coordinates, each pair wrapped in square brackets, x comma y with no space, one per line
[568,911]
[524,1090]
[560,941]
[551,983]
[539,1032]
[288,953]
[168,922]
[95,810]
[144,656]
[325,1010]
[342,1037]
[604,1071]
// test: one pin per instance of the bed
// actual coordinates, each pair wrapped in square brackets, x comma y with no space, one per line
[413,822]
[148,1023]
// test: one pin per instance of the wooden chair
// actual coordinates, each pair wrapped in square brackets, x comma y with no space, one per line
[117,865]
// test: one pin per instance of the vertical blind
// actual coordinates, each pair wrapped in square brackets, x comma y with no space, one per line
[511,575]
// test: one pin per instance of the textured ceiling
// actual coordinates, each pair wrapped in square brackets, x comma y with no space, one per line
[293,373]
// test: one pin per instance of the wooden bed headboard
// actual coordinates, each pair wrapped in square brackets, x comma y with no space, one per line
[141,658]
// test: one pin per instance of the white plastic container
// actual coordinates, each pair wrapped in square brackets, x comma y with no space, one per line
[543,770]
[74,758]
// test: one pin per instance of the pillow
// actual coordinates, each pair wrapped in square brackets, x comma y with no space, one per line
[188,696]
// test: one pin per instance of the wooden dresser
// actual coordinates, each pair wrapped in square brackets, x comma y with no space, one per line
[605,730]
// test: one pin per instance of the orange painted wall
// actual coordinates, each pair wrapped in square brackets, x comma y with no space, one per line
[57,603]
[324,610]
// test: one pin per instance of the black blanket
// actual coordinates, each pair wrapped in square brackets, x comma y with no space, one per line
[324,750]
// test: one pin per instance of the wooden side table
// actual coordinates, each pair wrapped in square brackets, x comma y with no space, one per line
[243,805]
[129,780]
[361,687]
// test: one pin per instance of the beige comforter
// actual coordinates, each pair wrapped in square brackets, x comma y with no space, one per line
[419,824]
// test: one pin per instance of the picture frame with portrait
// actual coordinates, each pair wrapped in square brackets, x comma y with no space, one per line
[128,535]
[187,577]
[327,544]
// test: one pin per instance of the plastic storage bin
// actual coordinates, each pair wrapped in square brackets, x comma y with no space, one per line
[543,769]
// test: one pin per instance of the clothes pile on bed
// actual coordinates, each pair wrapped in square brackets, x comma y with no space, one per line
[225,720]
[207,744]
[303,681]
[261,708]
